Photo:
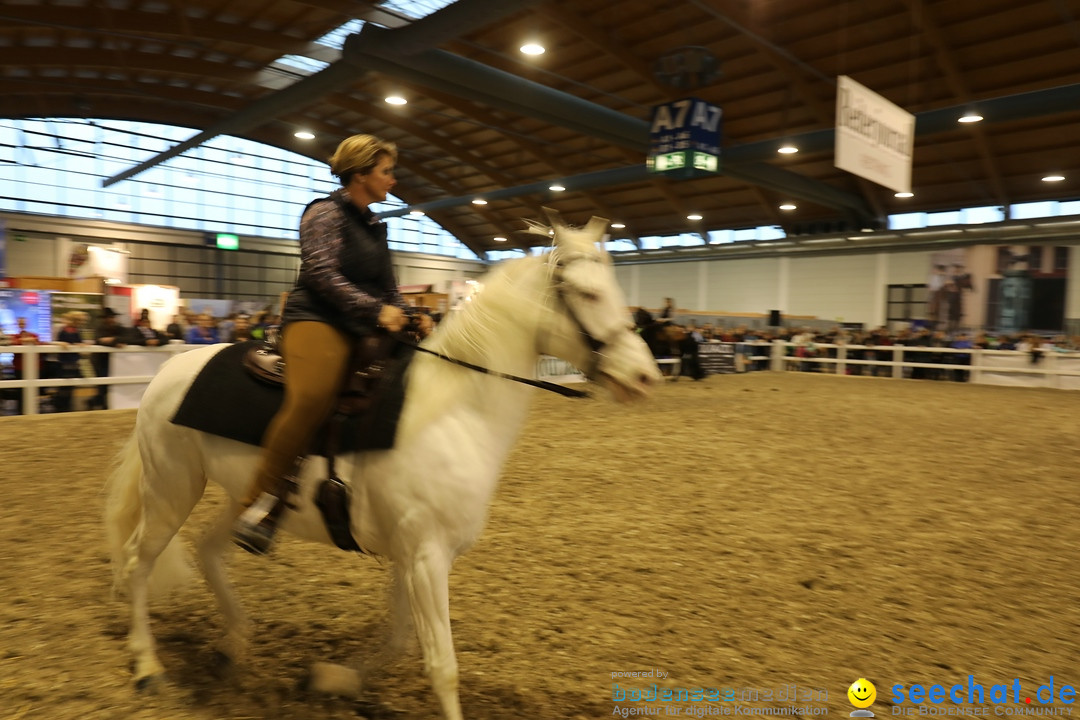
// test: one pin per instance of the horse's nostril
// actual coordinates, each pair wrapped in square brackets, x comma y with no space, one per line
[645,379]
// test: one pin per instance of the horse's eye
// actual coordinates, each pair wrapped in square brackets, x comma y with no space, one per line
[588,296]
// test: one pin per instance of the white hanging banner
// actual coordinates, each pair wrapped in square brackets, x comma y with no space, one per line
[874,138]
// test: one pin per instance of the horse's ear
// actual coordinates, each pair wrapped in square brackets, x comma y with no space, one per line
[554,217]
[597,227]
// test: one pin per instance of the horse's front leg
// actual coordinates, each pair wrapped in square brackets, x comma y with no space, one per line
[426,579]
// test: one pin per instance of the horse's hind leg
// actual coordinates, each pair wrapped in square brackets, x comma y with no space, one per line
[211,556]
[165,508]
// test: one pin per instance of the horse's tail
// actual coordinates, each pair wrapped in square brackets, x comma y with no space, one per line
[124,526]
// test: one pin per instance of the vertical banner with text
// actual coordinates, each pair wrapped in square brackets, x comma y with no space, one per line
[874,138]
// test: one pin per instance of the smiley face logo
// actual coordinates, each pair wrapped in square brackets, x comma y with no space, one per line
[862,693]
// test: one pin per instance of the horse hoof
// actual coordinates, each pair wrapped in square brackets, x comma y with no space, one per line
[331,679]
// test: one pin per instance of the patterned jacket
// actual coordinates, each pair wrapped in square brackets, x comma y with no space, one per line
[346,273]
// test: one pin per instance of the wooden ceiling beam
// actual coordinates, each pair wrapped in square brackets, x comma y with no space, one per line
[605,42]
[923,21]
[140,26]
[533,149]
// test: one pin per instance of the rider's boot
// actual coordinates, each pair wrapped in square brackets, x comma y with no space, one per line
[255,528]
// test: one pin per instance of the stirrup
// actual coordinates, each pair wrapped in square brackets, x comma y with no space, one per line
[255,528]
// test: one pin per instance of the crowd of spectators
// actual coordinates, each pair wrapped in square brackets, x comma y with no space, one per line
[808,345]
[73,330]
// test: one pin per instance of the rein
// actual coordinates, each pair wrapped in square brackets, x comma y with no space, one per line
[542,384]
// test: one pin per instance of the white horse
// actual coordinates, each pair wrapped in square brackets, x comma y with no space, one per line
[422,503]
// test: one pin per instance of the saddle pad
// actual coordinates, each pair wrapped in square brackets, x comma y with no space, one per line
[225,400]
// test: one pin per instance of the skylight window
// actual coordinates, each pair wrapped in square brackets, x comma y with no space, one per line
[333,39]
[415,9]
[336,37]
[300,62]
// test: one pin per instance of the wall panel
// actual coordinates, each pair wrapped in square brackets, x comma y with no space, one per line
[840,288]
[742,286]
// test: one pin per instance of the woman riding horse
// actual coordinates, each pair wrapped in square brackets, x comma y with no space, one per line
[346,290]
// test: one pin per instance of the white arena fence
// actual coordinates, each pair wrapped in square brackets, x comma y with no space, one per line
[131,369]
[1049,369]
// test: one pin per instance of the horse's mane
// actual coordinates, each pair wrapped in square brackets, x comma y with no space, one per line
[513,298]
[508,299]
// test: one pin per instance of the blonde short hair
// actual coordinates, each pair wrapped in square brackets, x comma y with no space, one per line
[359,154]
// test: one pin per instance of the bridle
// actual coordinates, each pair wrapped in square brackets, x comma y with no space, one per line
[596,345]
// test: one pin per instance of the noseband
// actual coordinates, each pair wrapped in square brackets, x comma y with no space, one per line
[596,345]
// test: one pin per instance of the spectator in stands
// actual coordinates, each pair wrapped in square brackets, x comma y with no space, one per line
[225,327]
[70,333]
[241,329]
[203,332]
[962,342]
[805,348]
[143,334]
[20,361]
[108,333]
[174,330]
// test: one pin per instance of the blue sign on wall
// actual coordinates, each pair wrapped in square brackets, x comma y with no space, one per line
[684,138]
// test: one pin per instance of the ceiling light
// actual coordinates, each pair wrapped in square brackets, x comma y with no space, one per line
[500,239]
[479,201]
[304,135]
[787,150]
[556,188]
[396,100]
[1053,178]
[904,194]
[532,49]
[617,226]
[416,213]
[788,206]
[971,118]
[693,216]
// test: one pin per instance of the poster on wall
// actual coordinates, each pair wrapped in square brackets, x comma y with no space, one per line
[30,304]
[948,291]
[61,303]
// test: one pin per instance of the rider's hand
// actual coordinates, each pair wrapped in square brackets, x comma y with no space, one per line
[425,325]
[392,318]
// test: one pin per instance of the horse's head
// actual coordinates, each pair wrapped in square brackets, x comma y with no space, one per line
[587,323]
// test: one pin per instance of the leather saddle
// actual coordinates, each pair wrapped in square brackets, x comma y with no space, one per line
[371,356]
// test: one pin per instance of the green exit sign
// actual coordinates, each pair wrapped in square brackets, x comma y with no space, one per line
[688,163]
[227,241]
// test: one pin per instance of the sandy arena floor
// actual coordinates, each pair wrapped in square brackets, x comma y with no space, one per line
[761,531]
